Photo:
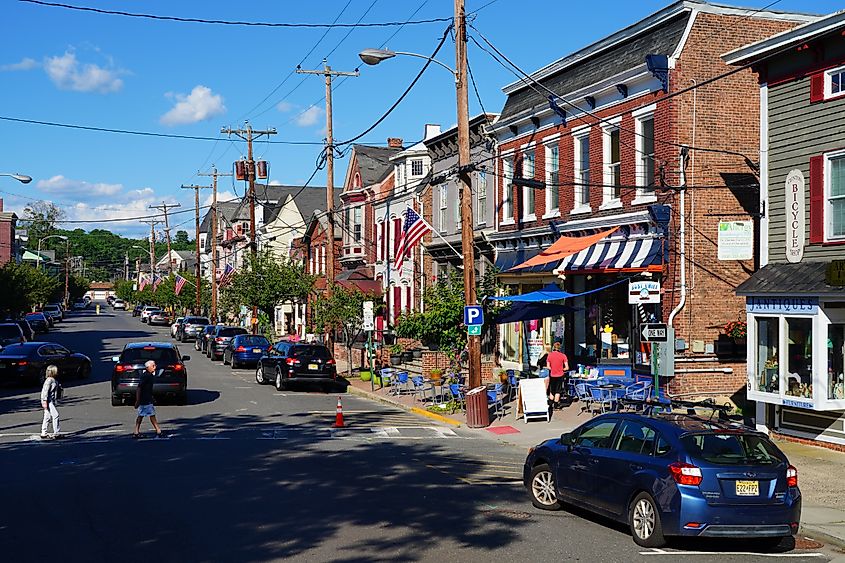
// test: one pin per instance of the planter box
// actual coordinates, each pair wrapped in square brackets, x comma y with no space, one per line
[395,360]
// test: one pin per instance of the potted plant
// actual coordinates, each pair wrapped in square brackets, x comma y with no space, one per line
[396,354]
[407,356]
[737,330]
[503,376]
[435,374]
[365,374]
[417,353]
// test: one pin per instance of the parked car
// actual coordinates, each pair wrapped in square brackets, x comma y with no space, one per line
[54,311]
[80,304]
[147,311]
[27,362]
[118,305]
[670,475]
[245,350]
[61,309]
[171,378]
[38,322]
[110,299]
[296,362]
[26,329]
[191,328]
[10,333]
[136,311]
[159,318]
[175,326]
[219,339]
[202,337]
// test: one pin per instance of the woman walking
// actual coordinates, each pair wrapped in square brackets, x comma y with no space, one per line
[49,392]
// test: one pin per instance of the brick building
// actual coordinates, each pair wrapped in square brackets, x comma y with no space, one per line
[592,144]
[8,244]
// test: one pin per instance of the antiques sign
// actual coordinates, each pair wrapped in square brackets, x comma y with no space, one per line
[795,216]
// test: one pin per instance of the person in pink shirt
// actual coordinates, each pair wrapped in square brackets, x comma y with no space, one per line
[558,366]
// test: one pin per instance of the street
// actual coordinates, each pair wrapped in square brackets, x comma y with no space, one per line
[250,474]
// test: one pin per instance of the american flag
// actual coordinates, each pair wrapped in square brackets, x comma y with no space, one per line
[157,281]
[414,229]
[228,272]
[180,283]
[143,283]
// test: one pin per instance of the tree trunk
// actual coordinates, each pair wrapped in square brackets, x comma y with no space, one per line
[348,360]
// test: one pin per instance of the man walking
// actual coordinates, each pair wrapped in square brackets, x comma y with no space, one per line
[48,403]
[144,400]
[558,365]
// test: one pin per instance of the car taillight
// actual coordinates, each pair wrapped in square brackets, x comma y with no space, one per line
[685,473]
[218,339]
[240,349]
[292,361]
[330,362]
[178,367]
[791,476]
[119,368]
[23,363]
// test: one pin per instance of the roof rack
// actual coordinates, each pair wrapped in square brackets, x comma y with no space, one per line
[653,406]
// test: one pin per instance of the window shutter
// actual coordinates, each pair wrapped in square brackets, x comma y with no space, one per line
[817,87]
[816,199]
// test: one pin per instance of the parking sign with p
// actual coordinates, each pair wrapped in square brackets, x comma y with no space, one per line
[473,315]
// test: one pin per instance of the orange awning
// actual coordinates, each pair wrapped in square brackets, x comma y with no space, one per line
[563,247]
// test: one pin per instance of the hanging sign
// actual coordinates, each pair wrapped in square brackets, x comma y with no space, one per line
[835,273]
[736,240]
[643,291]
[795,216]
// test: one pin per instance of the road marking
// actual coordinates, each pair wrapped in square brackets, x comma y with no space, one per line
[243,387]
[746,553]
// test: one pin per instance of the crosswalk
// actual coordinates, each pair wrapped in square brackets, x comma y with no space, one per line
[474,470]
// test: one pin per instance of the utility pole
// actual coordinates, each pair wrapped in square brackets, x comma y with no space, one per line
[214,175]
[328,73]
[467,247]
[67,270]
[126,266]
[164,207]
[197,189]
[152,223]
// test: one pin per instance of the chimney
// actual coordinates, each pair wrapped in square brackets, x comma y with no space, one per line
[1,204]
[431,130]
[394,142]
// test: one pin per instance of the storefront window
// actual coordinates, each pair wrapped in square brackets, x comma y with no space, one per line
[510,342]
[835,361]
[799,374]
[768,377]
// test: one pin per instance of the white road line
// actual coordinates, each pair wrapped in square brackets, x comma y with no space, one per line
[746,553]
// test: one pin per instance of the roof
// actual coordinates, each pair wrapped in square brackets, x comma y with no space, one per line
[308,200]
[779,42]
[227,209]
[374,162]
[803,278]
[453,132]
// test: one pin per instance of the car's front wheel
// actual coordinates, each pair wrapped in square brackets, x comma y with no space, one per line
[259,375]
[644,521]
[543,493]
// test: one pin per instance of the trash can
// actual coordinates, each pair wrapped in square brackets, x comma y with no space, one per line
[478,415]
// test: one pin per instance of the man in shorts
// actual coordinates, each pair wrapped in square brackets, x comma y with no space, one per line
[144,400]
[558,366]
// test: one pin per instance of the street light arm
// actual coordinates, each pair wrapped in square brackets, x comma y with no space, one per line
[444,65]
[22,178]
[373,57]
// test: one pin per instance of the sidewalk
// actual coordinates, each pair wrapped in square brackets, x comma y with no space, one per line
[823,508]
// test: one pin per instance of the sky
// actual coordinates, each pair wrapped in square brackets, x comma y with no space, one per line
[191,79]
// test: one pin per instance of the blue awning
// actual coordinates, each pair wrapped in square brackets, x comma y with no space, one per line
[618,254]
[532,311]
[549,293]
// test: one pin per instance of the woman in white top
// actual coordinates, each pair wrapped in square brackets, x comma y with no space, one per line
[48,402]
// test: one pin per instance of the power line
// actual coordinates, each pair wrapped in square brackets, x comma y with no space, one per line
[232,22]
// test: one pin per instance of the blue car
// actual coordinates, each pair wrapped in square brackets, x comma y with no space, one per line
[245,350]
[670,475]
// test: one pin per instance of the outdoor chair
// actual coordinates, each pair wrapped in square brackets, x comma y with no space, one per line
[513,384]
[400,383]
[639,391]
[601,399]
[582,391]
[458,397]
[386,376]
[421,388]
[496,397]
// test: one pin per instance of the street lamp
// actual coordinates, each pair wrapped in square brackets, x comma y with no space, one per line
[61,237]
[375,56]
[22,178]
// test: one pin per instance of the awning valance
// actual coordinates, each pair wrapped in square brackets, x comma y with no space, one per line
[563,247]
[621,254]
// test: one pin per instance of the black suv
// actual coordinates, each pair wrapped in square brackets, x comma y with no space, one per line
[190,328]
[296,362]
[171,377]
[202,337]
[218,340]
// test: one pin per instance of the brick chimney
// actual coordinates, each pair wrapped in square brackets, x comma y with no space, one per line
[1,204]
[394,142]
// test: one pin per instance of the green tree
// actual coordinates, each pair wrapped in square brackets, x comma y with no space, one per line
[343,312]
[40,219]
[266,281]
[25,286]
[77,286]
[181,241]
[123,290]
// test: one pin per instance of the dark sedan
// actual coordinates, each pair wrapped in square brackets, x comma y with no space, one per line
[27,362]
[245,350]
[38,322]
[293,362]
[26,328]
[171,377]
[10,333]
[202,337]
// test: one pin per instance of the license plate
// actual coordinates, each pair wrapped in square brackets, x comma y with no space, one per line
[313,366]
[256,350]
[747,488]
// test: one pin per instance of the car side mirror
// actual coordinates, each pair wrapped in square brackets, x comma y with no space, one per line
[185,358]
[566,439]
[115,359]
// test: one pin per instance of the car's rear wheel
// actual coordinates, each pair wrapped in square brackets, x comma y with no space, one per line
[84,371]
[259,375]
[644,521]
[116,400]
[542,489]
[234,363]
[281,384]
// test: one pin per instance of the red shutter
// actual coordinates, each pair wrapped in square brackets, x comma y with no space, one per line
[816,199]
[381,241]
[397,303]
[408,298]
[397,232]
[817,87]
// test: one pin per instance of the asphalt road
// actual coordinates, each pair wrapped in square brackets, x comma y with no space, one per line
[250,474]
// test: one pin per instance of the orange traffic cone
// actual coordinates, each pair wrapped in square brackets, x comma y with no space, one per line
[338,421]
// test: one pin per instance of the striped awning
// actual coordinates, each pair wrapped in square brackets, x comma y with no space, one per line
[619,254]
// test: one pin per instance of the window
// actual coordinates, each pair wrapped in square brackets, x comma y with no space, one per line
[645,154]
[635,438]
[595,435]
[444,204]
[481,198]
[662,447]
[799,368]
[834,82]
[457,207]
[357,224]
[528,191]
[732,449]
[612,165]
[417,167]
[380,245]
[836,361]
[507,189]
[768,375]
[400,176]
[835,196]
[552,188]
[582,171]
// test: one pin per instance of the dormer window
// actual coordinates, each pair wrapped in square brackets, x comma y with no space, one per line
[417,167]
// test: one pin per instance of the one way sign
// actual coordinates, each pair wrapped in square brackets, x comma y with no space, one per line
[655,332]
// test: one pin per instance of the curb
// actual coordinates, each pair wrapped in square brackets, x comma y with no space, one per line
[822,536]
[416,410]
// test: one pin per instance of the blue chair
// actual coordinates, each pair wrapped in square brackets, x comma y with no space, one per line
[601,398]
[513,384]
[639,391]
[400,383]
[458,397]
[496,397]
[582,391]
[385,376]
[421,388]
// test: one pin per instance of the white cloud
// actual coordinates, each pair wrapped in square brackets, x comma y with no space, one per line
[309,117]
[199,105]
[274,183]
[284,107]
[68,73]
[25,64]
[221,196]
[61,185]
